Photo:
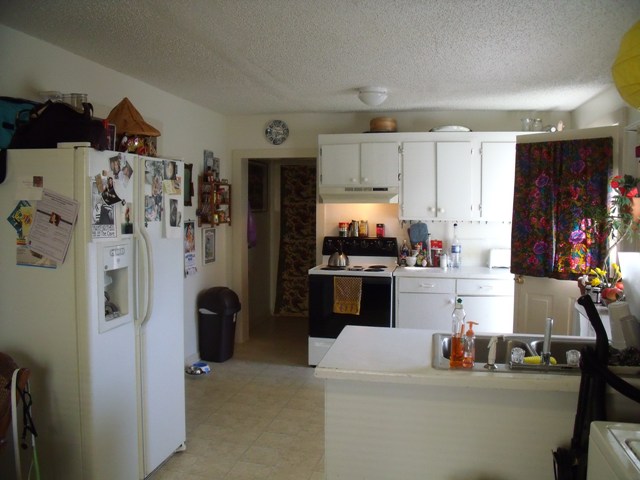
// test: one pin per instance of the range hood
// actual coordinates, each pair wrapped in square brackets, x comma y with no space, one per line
[359,194]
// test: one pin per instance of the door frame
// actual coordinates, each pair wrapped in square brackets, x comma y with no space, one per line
[238,268]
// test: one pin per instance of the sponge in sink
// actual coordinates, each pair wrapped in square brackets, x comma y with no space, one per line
[537,360]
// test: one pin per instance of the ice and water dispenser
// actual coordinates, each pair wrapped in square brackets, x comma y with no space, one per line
[115,283]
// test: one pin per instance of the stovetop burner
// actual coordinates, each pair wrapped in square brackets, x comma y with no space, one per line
[372,269]
[376,266]
[330,267]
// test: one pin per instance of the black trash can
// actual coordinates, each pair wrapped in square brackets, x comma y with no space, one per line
[217,309]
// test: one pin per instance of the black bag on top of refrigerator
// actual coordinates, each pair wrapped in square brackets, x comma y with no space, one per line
[51,123]
[13,112]
[55,122]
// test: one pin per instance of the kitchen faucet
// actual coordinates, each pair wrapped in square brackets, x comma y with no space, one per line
[546,345]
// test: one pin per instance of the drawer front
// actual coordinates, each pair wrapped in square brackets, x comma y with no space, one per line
[427,285]
[486,287]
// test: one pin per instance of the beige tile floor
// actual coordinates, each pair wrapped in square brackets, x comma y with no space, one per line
[259,415]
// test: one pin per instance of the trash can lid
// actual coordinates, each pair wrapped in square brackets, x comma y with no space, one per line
[221,300]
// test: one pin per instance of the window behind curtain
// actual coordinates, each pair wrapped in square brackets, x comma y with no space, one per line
[555,183]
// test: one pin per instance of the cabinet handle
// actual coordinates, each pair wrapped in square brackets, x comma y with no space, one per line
[441,210]
[365,180]
[486,287]
[427,285]
[519,279]
[354,180]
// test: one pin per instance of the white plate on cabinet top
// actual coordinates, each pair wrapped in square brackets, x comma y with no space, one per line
[451,128]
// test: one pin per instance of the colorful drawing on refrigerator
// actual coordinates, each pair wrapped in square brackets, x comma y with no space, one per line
[153,175]
[189,249]
[21,219]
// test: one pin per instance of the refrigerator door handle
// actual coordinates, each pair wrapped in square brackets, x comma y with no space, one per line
[148,280]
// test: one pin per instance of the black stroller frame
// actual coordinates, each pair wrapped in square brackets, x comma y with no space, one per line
[571,463]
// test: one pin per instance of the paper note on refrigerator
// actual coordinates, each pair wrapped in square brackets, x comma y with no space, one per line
[53,225]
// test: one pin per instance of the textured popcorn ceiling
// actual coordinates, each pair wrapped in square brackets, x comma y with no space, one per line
[280,56]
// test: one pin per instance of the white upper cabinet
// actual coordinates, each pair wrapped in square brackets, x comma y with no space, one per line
[453,181]
[359,164]
[418,181]
[436,181]
[340,164]
[498,174]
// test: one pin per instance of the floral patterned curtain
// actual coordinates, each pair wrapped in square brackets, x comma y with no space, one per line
[555,183]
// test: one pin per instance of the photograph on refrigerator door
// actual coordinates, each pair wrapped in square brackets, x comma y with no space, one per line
[103,218]
[154,172]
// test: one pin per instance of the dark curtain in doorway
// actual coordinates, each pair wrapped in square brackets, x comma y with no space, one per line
[556,184]
[297,238]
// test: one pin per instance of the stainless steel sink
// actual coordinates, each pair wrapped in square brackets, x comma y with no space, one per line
[531,344]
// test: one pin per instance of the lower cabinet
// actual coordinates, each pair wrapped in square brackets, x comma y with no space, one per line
[427,303]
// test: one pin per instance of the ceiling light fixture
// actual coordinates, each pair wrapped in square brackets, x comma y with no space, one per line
[372,96]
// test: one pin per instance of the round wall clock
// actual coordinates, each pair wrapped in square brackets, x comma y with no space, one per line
[276,132]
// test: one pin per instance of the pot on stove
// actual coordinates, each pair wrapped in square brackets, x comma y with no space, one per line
[338,259]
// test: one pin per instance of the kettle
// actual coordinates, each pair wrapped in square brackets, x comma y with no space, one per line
[338,259]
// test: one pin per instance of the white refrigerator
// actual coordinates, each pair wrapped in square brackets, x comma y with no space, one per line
[101,325]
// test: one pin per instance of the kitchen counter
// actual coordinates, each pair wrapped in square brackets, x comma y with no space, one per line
[464,272]
[389,414]
[400,355]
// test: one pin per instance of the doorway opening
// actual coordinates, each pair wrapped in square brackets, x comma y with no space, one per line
[281,195]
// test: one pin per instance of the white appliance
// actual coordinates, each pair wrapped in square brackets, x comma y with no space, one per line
[614,451]
[102,332]
[371,259]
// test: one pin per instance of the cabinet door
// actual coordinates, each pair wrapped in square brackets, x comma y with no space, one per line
[425,311]
[493,314]
[340,164]
[379,164]
[418,181]
[454,177]
[498,173]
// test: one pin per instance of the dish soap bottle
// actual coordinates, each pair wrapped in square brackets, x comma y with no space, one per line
[469,355]
[456,249]
[457,331]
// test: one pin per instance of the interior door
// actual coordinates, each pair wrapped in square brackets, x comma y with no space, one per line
[536,298]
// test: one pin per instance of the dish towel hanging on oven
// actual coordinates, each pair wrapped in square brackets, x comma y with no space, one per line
[347,292]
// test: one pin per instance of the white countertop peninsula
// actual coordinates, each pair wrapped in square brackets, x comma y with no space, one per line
[389,414]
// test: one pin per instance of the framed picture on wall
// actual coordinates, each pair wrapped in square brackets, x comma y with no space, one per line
[208,245]
[258,186]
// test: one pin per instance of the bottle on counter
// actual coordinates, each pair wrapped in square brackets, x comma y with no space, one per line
[404,253]
[456,249]
[469,356]
[457,333]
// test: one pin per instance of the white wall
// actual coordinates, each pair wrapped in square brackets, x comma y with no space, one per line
[29,65]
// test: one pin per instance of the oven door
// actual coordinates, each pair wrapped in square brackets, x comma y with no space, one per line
[375,306]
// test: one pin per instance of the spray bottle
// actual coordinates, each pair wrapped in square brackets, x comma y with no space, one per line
[469,356]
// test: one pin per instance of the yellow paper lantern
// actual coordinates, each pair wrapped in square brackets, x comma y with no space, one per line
[626,68]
